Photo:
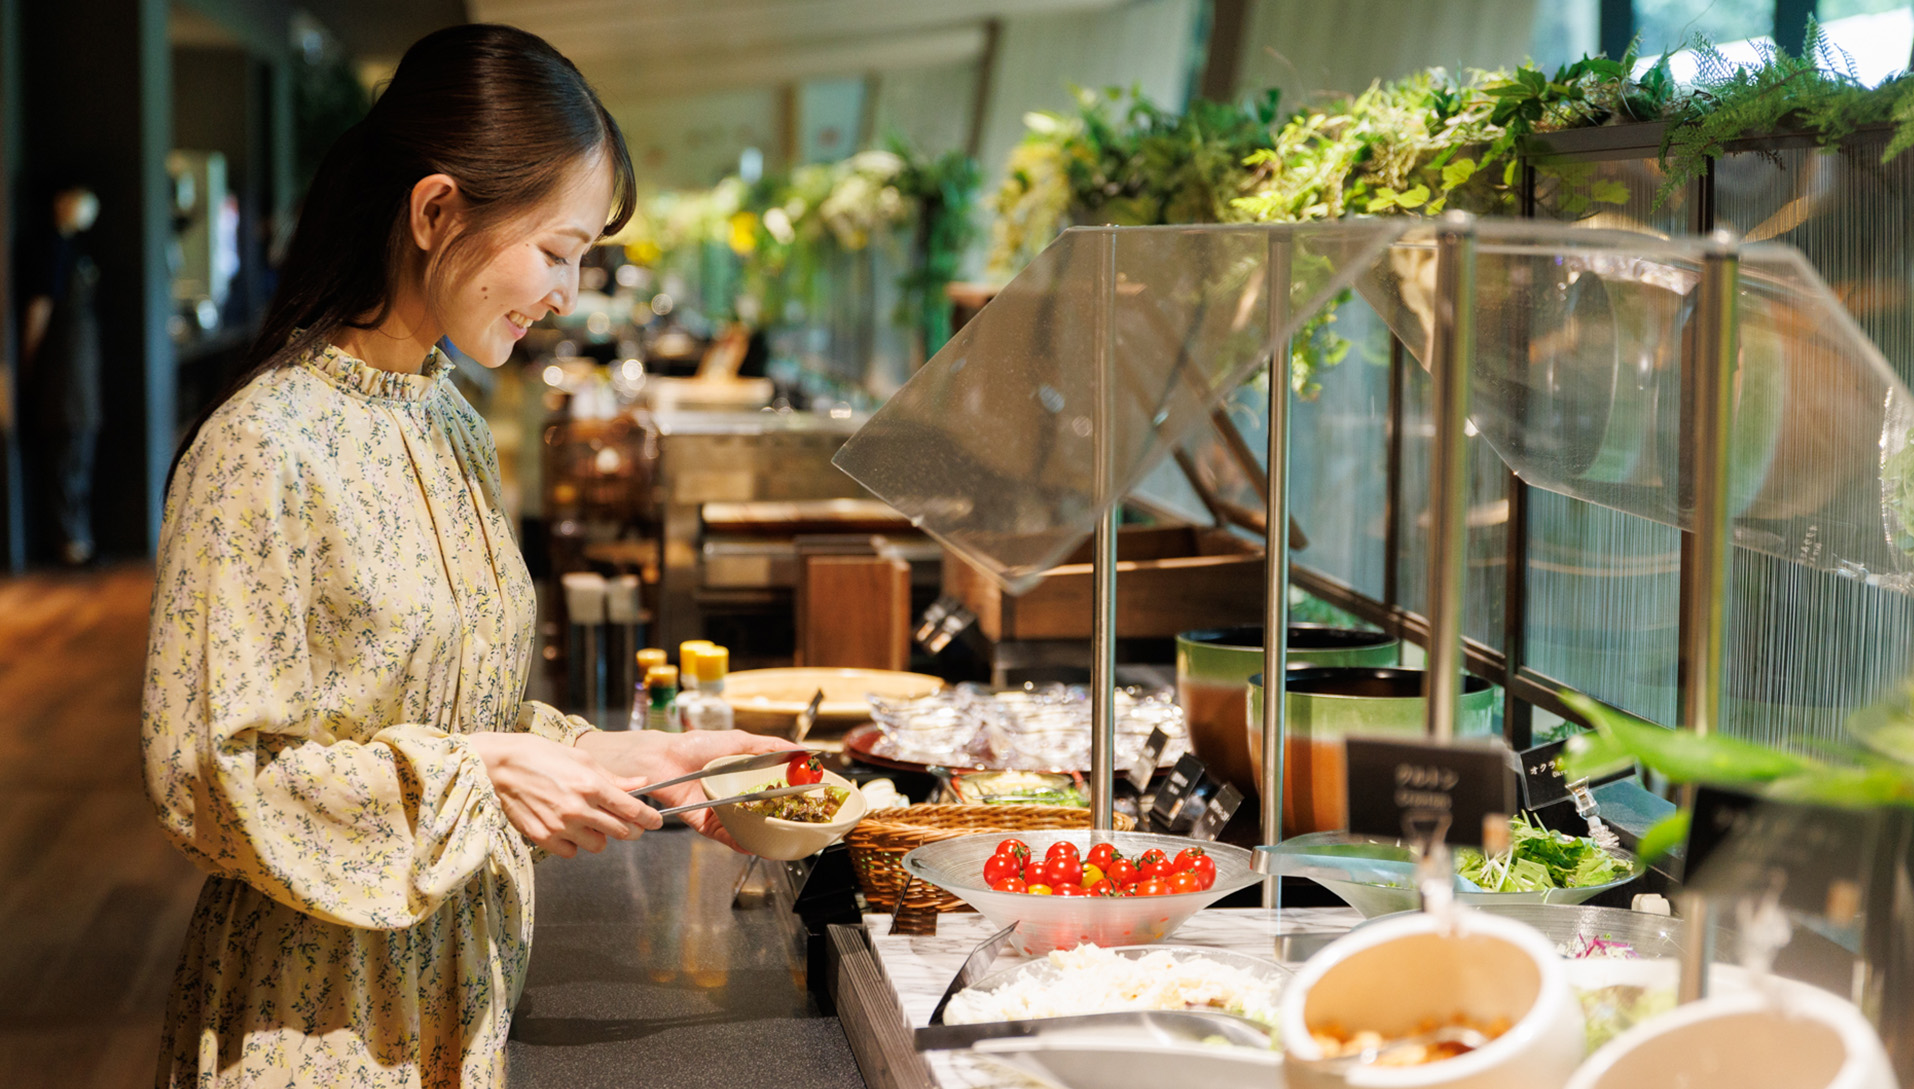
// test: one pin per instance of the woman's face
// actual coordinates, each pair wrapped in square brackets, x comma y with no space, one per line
[534,273]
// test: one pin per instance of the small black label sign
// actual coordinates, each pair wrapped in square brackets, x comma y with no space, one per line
[1216,812]
[1542,780]
[1389,780]
[1815,857]
[1176,791]
[1140,772]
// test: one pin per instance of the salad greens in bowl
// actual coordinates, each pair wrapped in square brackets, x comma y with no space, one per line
[1376,875]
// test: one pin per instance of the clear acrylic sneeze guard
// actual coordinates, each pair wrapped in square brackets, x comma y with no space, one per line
[1576,381]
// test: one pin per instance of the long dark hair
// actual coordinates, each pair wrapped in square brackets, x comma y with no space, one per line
[495,108]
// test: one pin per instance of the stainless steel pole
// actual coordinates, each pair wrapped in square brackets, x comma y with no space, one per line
[1103,556]
[1704,574]
[1451,347]
[1276,554]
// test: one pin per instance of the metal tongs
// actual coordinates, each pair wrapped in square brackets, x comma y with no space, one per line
[762,760]
[1589,810]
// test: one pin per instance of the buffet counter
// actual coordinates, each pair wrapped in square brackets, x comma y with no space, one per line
[886,985]
[643,973]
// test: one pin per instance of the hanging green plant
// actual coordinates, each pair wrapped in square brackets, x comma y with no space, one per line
[1815,92]
[1121,159]
[944,193]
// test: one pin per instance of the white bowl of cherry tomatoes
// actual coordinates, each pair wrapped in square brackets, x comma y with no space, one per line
[1063,888]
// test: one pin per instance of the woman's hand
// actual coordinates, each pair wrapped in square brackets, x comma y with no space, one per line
[560,797]
[657,756]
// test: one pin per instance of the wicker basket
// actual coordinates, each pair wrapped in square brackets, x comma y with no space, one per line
[884,836]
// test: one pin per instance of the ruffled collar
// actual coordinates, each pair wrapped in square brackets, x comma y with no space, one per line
[355,375]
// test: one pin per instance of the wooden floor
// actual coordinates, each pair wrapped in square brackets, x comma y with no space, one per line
[93,902]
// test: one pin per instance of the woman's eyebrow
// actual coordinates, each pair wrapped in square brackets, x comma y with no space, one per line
[579,233]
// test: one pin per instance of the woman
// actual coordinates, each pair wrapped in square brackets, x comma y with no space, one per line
[342,623]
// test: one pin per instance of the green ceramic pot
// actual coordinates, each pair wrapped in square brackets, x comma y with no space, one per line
[1213,665]
[1329,704]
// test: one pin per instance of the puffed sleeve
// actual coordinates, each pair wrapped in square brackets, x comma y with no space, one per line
[247,780]
[550,723]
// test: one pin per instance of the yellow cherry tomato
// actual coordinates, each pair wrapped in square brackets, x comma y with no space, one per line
[1091,875]
[1039,890]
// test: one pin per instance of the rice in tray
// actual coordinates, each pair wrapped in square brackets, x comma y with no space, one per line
[1091,979]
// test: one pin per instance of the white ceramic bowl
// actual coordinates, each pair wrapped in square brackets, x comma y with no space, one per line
[769,837]
[1395,975]
[1797,1037]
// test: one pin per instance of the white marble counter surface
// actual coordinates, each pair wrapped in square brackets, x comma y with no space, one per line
[920,967]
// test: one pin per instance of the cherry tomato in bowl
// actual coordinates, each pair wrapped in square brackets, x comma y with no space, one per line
[804,768]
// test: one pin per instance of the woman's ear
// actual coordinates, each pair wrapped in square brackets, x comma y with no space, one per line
[435,207]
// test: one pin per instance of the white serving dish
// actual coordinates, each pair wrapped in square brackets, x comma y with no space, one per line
[1395,975]
[1790,1037]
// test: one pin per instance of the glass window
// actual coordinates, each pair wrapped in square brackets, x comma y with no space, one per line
[1872,37]
[1670,24]
[1565,32]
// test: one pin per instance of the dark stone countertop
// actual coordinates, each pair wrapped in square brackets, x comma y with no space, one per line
[643,975]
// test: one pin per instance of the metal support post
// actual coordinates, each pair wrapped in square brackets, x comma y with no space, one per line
[1452,346]
[1103,555]
[1276,554]
[1704,578]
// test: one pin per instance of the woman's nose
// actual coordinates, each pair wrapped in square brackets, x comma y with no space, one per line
[565,296]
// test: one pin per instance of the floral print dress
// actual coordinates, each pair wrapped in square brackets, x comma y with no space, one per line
[339,602]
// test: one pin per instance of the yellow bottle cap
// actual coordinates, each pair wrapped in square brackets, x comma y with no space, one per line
[661,674]
[652,656]
[688,654]
[713,662]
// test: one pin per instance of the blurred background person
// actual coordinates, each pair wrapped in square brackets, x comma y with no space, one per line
[60,355]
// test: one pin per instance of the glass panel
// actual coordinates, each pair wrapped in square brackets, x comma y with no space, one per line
[990,447]
[1604,603]
[1604,587]
[1484,584]
[1577,382]
[1339,448]
[1810,645]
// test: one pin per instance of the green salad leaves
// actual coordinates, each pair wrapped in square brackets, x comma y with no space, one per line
[1539,859]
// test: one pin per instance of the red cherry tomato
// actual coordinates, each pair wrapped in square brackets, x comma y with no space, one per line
[1033,872]
[1015,884]
[1101,856]
[1000,867]
[1063,871]
[1204,867]
[1152,855]
[1152,886]
[1183,858]
[1102,888]
[1063,848]
[805,767]
[1122,873]
[1016,847]
[1185,882]
[1070,890]
[1158,868]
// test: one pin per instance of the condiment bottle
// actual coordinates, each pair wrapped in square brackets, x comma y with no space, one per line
[662,683]
[705,707]
[687,672]
[640,696]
